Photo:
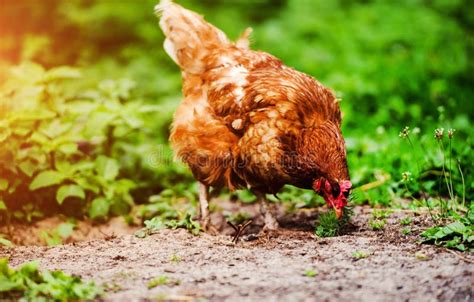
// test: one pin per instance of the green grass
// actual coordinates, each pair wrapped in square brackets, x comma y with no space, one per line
[405,221]
[329,226]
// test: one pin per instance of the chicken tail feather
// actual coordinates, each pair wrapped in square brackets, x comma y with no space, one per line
[189,38]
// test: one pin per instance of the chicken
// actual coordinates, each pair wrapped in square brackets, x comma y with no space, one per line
[249,121]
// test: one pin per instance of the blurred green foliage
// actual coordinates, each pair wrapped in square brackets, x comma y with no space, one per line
[98,138]
[28,283]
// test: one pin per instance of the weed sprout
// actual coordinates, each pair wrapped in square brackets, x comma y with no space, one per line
[405,134]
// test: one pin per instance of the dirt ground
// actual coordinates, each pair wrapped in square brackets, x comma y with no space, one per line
[272,267]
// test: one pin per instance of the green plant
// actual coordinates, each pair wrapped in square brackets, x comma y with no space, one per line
[31,284]
[187,223]
[59,143]
[159,223]
[405,221]
[359,255]
[377,224]
[457,235]
[330,226]
[162,280]
[175,258]
[58,235]
[381,214]
[5,242]
[310,273]
[406,231]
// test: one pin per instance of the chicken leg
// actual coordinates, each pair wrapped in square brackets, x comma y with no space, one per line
[205,218]
[271,224]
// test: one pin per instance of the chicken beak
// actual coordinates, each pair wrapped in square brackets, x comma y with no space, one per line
[338,212]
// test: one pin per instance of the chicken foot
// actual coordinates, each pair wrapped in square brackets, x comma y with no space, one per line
[271,224]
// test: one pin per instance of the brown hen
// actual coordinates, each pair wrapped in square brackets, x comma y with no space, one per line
[249,121]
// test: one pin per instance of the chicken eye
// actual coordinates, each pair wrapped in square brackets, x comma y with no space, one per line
[336,191]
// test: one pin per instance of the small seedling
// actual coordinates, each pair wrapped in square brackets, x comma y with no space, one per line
[160,280]
[405,221]
[330,226]
[158,223]
[359,255]
[377,224]
[112,287]
[406,231]
[187,223]
[175,258]
[310,273]
[381,214]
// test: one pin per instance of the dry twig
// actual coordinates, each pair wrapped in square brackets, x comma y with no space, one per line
[239,229]
[460,256]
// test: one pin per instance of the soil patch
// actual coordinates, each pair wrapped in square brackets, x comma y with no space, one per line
[290,265]
[31,234]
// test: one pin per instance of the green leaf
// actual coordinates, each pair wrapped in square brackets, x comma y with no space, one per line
[66,191]
[65,229]
[141,233]
[50,238]
[62,72]
[28,168]
[10,285]
[106,167]
[3,206]
[5,242]
[46,179]
[33,115]
[99,208]
[35,285]
[97,122]
[3,184]
[156,223]
[68,149]
[87,184]
[456,227]
[5,132]
[21,131]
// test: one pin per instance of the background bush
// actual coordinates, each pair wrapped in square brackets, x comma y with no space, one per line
[91,139]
